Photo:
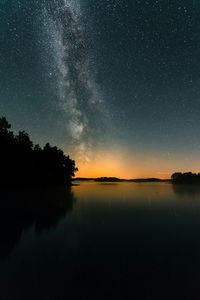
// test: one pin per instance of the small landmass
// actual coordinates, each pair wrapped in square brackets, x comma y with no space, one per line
[115,179]
[82,179]
[108,179]
[149,180]
[185,178]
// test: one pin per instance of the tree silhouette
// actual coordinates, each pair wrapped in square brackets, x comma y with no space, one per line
[184,178]
[23,162]
[24,140]
[4,126]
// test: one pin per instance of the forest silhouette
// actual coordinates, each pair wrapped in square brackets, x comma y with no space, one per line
[185,178]
[22,162]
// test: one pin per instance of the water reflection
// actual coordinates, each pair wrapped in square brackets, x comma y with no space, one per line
[128,241]
[22,208]
[186,189]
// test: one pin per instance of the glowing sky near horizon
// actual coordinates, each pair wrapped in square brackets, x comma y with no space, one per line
[116,84]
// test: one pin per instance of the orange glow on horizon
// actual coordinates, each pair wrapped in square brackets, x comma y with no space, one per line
[130,166]
[116,166]
[100,168]
[107,172]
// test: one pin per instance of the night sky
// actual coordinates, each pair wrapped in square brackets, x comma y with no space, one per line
[116,84]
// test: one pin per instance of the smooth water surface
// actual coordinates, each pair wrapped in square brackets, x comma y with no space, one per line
[100,240]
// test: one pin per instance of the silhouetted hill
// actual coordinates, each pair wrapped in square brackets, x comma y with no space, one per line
[22,162]
[108,179]
[115,179]
[149,180]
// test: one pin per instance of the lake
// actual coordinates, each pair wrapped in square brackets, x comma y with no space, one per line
[99,240]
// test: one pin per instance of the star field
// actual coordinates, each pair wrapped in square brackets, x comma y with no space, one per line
[94,77]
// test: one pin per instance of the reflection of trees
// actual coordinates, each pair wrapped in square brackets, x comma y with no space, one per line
[20,209]
[186,189]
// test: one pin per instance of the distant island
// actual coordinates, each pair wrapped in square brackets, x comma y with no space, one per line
[115,179]
[176,178]
[22,162]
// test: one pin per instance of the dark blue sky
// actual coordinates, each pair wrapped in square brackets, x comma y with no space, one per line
[105,78]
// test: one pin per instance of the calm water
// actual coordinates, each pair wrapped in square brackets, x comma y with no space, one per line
[97,241]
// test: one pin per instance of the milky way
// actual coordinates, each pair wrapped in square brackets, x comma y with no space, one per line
[108,76]
[77,92]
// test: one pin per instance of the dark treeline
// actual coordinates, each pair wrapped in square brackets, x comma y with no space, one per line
[22,162]
[115,179]
[107,179]
[184,178]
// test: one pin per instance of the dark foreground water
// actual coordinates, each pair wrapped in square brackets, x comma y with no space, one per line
[100,241]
